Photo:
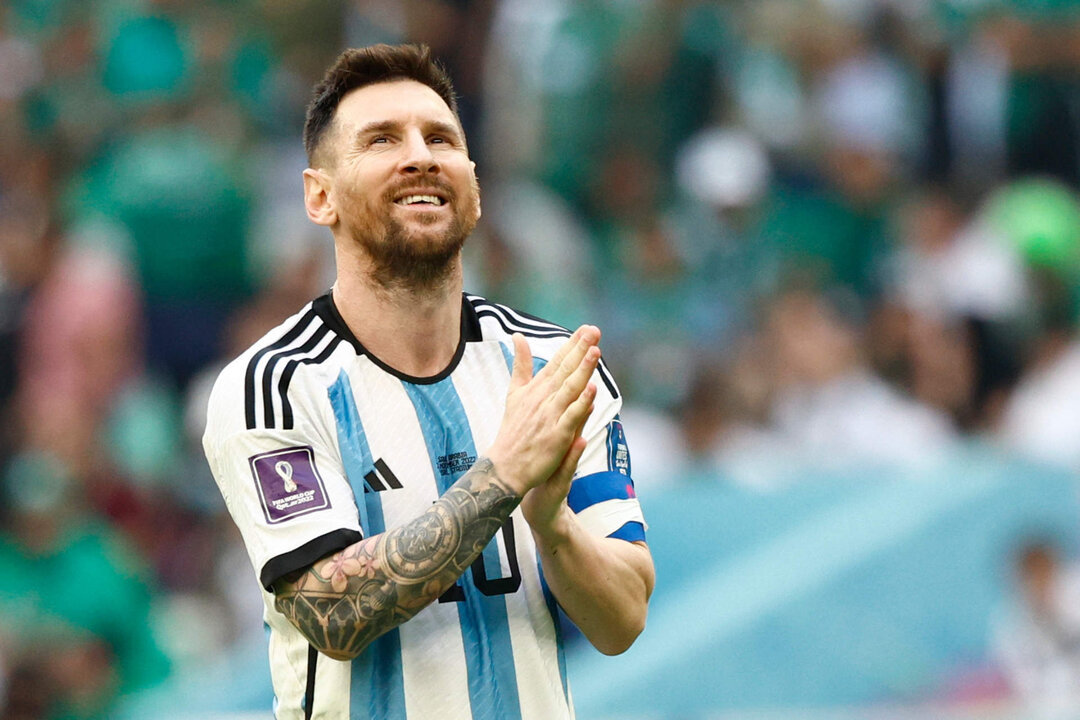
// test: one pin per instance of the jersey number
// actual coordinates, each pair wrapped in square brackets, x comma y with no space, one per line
[486,585]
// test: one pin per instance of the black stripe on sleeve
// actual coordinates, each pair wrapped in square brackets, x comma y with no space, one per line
[309,691]
[527,320]
[512,321]
[268,371]
[527,332]
[305,555]
[606,377]
[286,378]
[249,377]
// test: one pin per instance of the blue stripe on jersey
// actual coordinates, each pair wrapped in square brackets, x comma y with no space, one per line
[508,356]
[553,610]
[598,487]
[378,682]
[489,657]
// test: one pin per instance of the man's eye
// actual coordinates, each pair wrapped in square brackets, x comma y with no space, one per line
[380,140]
[438,139]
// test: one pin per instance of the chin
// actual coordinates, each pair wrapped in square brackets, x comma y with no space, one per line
[412,257]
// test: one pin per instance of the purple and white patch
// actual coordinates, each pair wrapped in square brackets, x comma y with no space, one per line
[288,483]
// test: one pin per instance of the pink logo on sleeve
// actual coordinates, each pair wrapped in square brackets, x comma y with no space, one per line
[288,483]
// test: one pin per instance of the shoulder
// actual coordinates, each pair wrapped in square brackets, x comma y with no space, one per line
[252,390]
[499,322]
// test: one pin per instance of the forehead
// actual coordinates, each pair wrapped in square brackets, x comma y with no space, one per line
[402,101]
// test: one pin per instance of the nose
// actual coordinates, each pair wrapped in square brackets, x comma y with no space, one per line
[416,156]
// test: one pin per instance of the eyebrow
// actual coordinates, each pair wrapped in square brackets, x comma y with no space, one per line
[432,126]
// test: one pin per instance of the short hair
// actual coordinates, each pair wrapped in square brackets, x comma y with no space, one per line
[360,67]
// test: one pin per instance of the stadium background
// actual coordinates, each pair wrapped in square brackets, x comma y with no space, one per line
[834,246]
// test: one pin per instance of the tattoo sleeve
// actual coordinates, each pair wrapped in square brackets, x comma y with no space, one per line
[346,600]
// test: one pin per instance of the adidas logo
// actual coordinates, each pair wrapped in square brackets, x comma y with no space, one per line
[381,478]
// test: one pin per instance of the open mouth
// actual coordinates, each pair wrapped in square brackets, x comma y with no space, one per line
[422,200]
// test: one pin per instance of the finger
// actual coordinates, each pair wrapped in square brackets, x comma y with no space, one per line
[522,370]
[574,417]
[575,382]
[564,474]
[560,354]
[587,339]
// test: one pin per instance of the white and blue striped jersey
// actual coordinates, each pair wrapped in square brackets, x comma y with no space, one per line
[315,444]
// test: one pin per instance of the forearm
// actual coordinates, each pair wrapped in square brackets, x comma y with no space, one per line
[344,601]
[603,584]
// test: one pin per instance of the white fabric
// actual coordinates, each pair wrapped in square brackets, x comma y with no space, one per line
[433,643]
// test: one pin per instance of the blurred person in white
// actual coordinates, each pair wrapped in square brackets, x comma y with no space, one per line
[1037,640]
[723,177]
[950,329]
[860,119]
[826,409]
[1040,220]
[401,460]
[954,265]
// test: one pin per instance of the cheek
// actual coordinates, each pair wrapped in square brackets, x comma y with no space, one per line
[474,189]
[353,201]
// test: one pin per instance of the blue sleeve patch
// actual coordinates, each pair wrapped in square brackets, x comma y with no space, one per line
[588,490]
[618,452]
[630,532]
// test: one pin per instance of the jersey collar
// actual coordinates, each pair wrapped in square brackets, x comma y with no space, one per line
[326,309]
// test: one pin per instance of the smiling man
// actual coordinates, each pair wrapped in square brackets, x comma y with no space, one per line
[420,476]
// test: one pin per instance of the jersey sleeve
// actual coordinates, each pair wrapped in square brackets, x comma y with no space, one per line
[602,494]
[286,490]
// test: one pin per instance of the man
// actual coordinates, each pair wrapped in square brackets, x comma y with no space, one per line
[395,466]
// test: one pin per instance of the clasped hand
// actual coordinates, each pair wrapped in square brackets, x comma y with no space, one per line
[539,443]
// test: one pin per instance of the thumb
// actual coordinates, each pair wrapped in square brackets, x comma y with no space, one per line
[522,371]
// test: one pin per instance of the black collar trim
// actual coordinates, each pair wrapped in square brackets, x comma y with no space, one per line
[325,307]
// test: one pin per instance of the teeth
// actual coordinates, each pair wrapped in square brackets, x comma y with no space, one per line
[414,199]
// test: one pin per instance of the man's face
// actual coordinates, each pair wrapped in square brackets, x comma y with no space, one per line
[404,186]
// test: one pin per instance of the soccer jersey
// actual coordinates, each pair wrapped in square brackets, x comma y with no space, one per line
[315,444]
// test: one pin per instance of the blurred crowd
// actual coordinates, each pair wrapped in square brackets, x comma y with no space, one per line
[814,233]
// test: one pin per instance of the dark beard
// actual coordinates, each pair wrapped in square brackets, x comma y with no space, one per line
[403,262]
[400,262]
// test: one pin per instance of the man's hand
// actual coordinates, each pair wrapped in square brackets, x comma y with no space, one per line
[541,428]
[603,584]
[544,507]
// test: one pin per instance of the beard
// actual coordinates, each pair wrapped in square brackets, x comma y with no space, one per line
[411,258]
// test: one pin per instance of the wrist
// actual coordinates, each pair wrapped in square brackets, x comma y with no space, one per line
[502,472]
[556,531]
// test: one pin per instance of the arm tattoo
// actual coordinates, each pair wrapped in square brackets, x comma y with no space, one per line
[346,600]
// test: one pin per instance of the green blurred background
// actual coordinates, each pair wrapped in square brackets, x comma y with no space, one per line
[833,245]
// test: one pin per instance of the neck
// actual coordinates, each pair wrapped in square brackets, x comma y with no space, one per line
[416,331]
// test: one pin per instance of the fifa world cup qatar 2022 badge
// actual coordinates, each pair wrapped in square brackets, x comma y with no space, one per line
[288,483]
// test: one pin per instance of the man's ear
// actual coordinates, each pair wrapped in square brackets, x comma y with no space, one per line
[476,186]
[320,209]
